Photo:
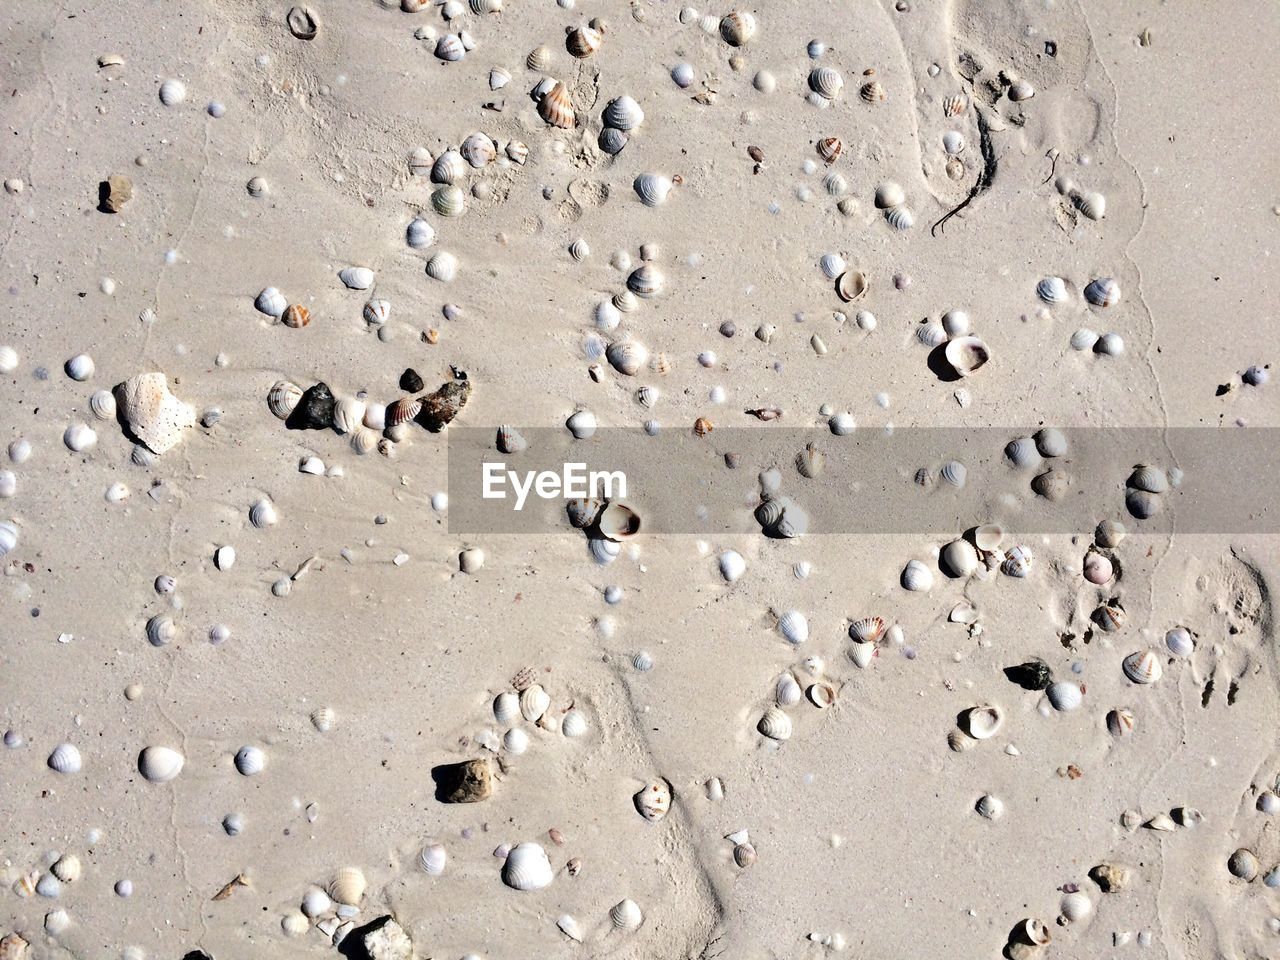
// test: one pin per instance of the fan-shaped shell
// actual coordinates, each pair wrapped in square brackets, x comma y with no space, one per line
[450,48]
[582,42]
[1143,667]
[103,405]
[67,868]
[1052,485]
[443,266]
[506,708]
[775,725]
[263,514]
[1120,722]
[916,577]
[612,140]
[646,281]
[479,150]
[348,886]
[652,188]
[794,627]
[403,410]
[1023,453]
[1064,696]
[900,218]
[647,396]
[1018,561]
[737,28]
[954,472]
[653,801]
[172,92]
[826,82]
[65,758]
[989,807]
[623,113]
[626,915]
[527,868]
[583,511]
[574,724]
[866,630]
[983,722]
[556,108]
[417,235]
[509,439]
[862,654]
[1110,617]
[534,702]
[499,77]
[160,764]
[1103,292]
[579,250]
[323,719]
[1053,290]
[250,760]
[1075,906]
[966,355]
[271,302]
[954,105]
[1180,642]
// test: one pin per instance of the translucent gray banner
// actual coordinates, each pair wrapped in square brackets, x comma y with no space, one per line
[921,481]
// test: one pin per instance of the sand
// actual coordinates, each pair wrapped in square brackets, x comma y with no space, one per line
[863,822]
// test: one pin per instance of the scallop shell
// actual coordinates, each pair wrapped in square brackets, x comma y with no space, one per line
[623,113]
[983,722]
[323,719]
[403,410]
[67,868]
[250,760]
[647,396]
[866,630]
[65,758]
[432,859]
[965,355]
[626,915]
[889,195]
[1143,667]
[1180,642]
[1064,696]
[1120,722]
[160,764]
[627,356]
[582,42]
[579,251]
[1103,292]
[172,92]
[775,725]
[57,922]
[794,627]
[417,235]
[574,724]
[450,48]
[534,702]
[916,577]
[873,92]
[509,439]
[653,801]
[954,105]
[826,82]
[1017,562]
[527,868]
[556,108]
[737,28]
[646,281]
[263,514]
[652,188]
[161,630]
[900,218]
[1053,290]
[443,267]
[1023,453]
[810,461]
[478,150]
[348,886]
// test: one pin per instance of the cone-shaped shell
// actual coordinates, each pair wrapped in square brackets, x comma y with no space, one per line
[527,868]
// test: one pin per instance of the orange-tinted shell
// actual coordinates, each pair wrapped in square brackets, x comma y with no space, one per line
[296,315]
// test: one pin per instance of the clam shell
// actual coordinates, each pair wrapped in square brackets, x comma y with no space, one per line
[1142,504]
[79,437]
[499,77]
[263,514]
[958,559]
[161,630]
[65,758]
[954,472]
[1053,290]
[646,281]
[889,195]
[296,316]
[1150,479]
[618,521]
[582,424]
[955,323]
[852,285]
[1180,642]
[449,201]
[900,218]
[574,724]
[1092,205]
[1023,453]
[478,150]
[449,168]
[348,414]
[527,868]
[732,565]
[829,149]
[1084,339]
[612,140]
[1142,667]
[810,461]
[103,405]
[583,512]
[579,251]
[356,278]
[250,760]
[1120,722]
[323,719]
[1017,562]
[1110,617]
[417,235]
[1243,865]
[348,886]
[626,915]
[623,113]
[1097,569]
[506,708]
[775,725]
[737,28]
[556,107]
[794,627]
[534,702]
[826,82]
[172,92]
[832,265]
[450,48]
[509,439]
[983,722]
[582,42]
[316,903]
[916,577]
[786,692]
[1064,696]
[652,188]
[1109,345]
[1034,932]
[1109,534]
[931,334]
[443,266]
[627,356]
[989,807]
[1051,442]
[80,367]
[653,801]
[1103,292]
[57,922]
[966,355]
[67,868]
[988,537]
[1053,485]
[647,396]
[160,764]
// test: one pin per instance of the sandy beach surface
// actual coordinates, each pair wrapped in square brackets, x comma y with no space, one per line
[1064,748]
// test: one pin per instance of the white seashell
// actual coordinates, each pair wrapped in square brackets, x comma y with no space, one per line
[432,859]
[652,188]
[1017,562]
[1110,534]
[1150,479]
[642,661]
[983,722]
[417,235]
[989,807]
[627,356]
[955,323]
[348,414]
[958,559]
[1142,667]
[8,487]
[1021,90]
[900,218]
[534,702]
[323,719]
[571,928]
[79,437]
[1269,803]
[1097,569]
[1243,865]
[1103,292]
[579,251]
[889,195]
[775,725]
[1180,642]
[832,265]
[1064,696]
[1023,453]
[1051,442]
[67,868]
[57,922]
[515,741]
[450,48]
[931,334]
[574,724]
[271,302]
[1093,205]
[645,281]
[161,630]
[316,903]
[263,514]
[443,267]
[737,28]
[499,77]
[732,565]
[103,405]
[954,472]
[1084,339]
[160,764]
[250,760]
[682,74]
[626,915]
[821,695]
[348,886]
[618,521]
[527,868]
[826,82]
[623,113]
[842,424]
[603,551]
[953,142]
[1053,290]
[65,759]
[154,415]
[794,627]
[356,278]
[786,692]
[1075,906]
[1109,345]
[966,355]
[80,367]
[835,184]
[172,92]
[49,887]
[506,707]
[582,424]
[478,150]
[916,577]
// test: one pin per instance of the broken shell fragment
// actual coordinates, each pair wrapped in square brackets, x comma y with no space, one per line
[153,415]
[653,801]
[983,722]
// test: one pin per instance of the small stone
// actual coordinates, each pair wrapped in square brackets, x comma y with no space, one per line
[410,382]
[114,192]
[1111,877]
[388,941]
[468,782]
[314,411]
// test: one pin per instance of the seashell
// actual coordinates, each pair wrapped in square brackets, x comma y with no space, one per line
[900,218]
[1150,479]
[1243,865]
[955,323]
[958,559]
[810,461]
[612,140]
[57,922]
[403,410]
[65,759]
[769,513]
[652,188]
[348,886]
[647,396]
[161,630]
[794,521]
[1092,205]
[172,92]
[1142,504]
[67,868]
[1017,562]
[582,42]
[420,162]
[516,741]
[983,722]
[642,662]
[1142,667]
[966,355]
[1120,722]
[579,251]
[832,265]
[835,184]
[250,760]
[160,764]
[1064,696]
[443,266]
[794,627]
[574,724]
[737,28]
[556,108]
[987,537]
[417,235]
[582,424]
[866,630]
[539,59]
[1053,290]
[989,807]
[1052,485]
[1051,442]
[479,150]
[449,168]
[1075,906]
[627,356]
[786,692]
[79,437]
[8,538]
[323,719]
[954,472]
[534,702]
[509,440]
[829,149]
[450,48]
[862,654]
[499,77]
[1021,90]
[80,367]
[364,440]
[916,577]
[775,725]
[1023,453]
[646,281]
[826,82]
[623,113]
[852,285]
[618,521]
[931,334]
[1084,339]
[1109,534]
[449,201]
[348,414]
[1180,642]
[889,195]
[1268,803]
[316,903]
[821,695]
[1097,568]
[356,278]
[954,105]
[626,915]
[1103,292]
[263,514]
[953,143]
[103,405]
[873,92]
[527,868]
[583,512]
[1110,617]
[744,854]
[506,707]
[271,302]
[653,801]
[732,565]
[571,928]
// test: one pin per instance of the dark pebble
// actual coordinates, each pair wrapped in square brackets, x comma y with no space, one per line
[314,411]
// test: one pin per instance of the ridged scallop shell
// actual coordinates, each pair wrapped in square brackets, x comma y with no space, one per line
[534,702]
[646,281]
[443,266]
[652,188]
[160,764]
[103,405]
[1023,453]
[623,113]
[612,140]
[296,316]
[527,868]
[900,218]
[647,396]
[506,708]
[626,915]
[1052,290]
[983,722]
[1179,642]
[826,82]
[737,28]
[450,48]
[517,152]
[582,42]
[1064,696]
[989,807]
[873,92]
[172,92]
[556,108]
[348,886]
[161,630]
[916,577]
[775,725]
[954,105]
[67,868]
[653,801]
[835,184]
[1120,722]
[1110,617]
[478,150]
[1142,667]
[574,724]
[323,719]
[65,758]
[1103,292]
[866,630]
[509,439]
[794,627]
[250,760]
[403,410]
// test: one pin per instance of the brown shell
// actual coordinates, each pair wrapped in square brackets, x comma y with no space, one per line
[556,108]
[702,426]
[830,148]
[295,315]
[873,92]
[582,42]
[402,411]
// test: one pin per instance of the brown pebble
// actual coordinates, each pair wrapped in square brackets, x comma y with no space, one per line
[756,154]
[1110,877]
[468,782]
[114,192]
